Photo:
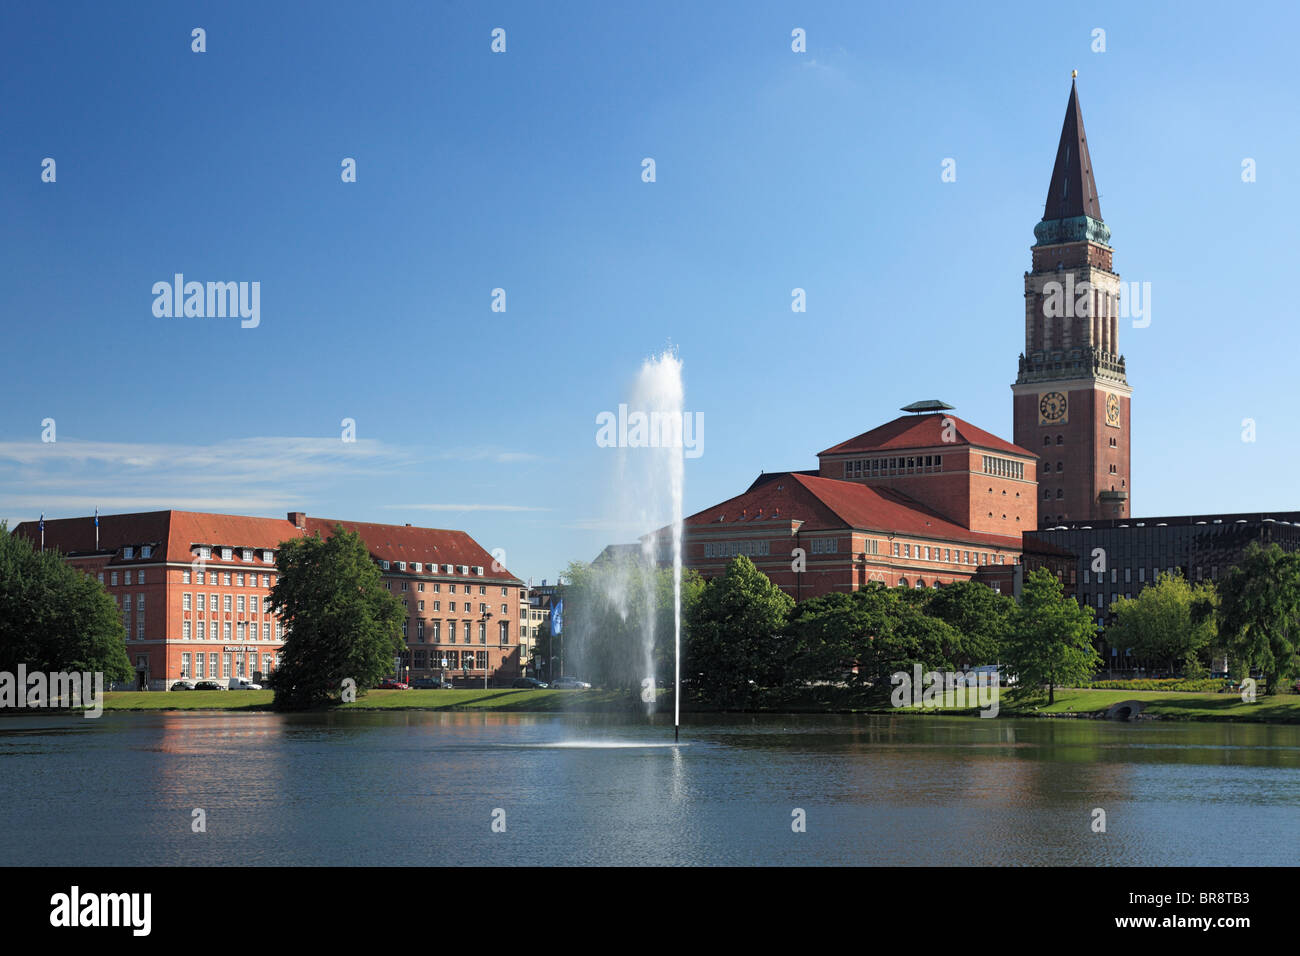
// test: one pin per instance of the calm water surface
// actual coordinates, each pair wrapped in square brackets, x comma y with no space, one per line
[420,788]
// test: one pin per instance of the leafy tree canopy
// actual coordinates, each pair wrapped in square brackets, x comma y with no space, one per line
[735,640]
[1049,641]
[1259,612]
[54,618]
[341,622]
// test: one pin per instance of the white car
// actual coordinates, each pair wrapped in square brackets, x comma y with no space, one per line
[238,683]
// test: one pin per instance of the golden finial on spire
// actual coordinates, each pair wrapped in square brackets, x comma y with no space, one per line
[1073,74]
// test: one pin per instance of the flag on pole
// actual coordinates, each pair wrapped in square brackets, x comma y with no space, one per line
[557,618]
[96,529]
[42,530]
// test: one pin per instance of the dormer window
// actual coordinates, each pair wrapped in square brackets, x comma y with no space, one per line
[226,554]
[248,554]
[128,553]
[417,567]
[267,557]
[401,565]
[384,565]
[146,551]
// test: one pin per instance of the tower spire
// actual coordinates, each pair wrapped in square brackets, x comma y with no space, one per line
[1072,193]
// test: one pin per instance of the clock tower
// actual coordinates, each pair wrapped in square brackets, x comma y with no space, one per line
[1071,398]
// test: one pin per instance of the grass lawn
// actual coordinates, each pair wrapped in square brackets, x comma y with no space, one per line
[188,700]
[494,698]
[1167,705]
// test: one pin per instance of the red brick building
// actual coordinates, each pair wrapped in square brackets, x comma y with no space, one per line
[194,591]
[922,501]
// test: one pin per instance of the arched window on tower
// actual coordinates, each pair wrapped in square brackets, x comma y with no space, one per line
[1060,493]
[1047,440]
[1060,439]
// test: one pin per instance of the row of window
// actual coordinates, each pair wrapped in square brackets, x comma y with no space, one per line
[1003,467]
[128,553]
[451,607]
[204,552]
[131,577]
[208,602]
[449,660]
[825,545]
[874,467]
[729,549]
[243,631]
[451,588]
[435,631]
[419,567]
[198,672]
[1047,440]
[202,577]
[949,555]
[1088,574]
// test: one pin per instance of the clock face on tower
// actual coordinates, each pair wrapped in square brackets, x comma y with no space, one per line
[1112,410]
[1052,408]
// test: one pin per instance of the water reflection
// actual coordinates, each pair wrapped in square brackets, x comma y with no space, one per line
[420,787]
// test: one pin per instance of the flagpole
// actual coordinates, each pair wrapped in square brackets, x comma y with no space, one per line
[42,531]
[96,529]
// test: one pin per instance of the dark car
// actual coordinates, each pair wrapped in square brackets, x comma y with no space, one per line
[529,683]
[430,683]
[181,685]
[208,685]
[389,684]
[569,683]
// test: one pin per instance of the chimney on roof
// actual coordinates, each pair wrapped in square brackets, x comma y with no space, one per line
[299,518]
[408,524]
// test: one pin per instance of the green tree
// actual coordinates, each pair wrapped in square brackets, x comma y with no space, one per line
[1259,612]
[54,618]
[341,622]
[1049,639]
[979,615]
[1171,621]
[735,643]
[864,637]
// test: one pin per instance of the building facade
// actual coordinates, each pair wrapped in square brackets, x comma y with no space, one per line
[194,591]
[921,501]
[1115,559]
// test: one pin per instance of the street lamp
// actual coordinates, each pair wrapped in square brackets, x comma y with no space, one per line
[482,639]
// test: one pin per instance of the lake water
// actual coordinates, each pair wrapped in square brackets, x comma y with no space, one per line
[421,788]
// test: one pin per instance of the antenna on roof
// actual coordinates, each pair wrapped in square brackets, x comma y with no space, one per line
[929,405]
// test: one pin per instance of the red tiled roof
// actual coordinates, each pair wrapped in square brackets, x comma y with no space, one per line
[173,534]
[823,503]
[924,431]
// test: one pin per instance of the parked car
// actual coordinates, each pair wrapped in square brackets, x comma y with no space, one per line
[529,683]
[430,683]
[181,685]
[389,684]
[208,685]
[241,683]
[569,683]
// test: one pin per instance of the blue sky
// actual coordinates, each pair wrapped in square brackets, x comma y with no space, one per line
[522,171]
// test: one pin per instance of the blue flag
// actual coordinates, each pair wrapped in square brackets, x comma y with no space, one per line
[42,520]
[96,517]
[557,618]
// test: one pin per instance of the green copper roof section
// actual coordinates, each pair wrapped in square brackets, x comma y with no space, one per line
[1051,232]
